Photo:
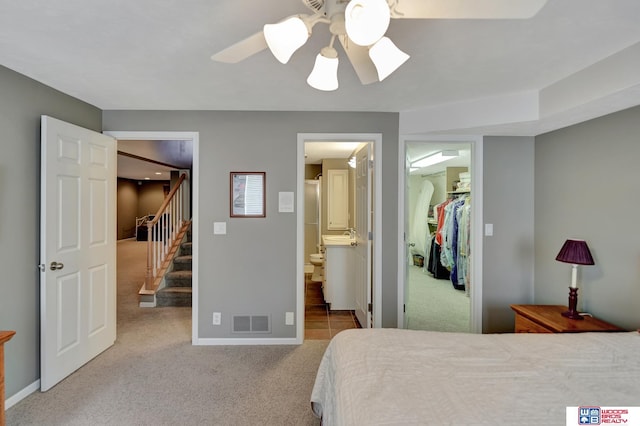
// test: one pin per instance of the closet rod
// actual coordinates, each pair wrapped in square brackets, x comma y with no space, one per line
[436,174]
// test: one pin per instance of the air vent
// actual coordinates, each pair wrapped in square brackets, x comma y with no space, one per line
[251,324]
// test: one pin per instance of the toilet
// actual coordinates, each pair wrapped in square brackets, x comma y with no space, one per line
[317,260]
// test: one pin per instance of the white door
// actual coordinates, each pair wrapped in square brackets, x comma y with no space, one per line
[362,252]
[77,248]
[407,242]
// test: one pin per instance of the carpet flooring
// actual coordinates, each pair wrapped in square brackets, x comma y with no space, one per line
[152,375]
[434,304]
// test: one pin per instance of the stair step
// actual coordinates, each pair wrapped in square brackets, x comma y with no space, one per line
[174,296]
[185,248]
[178,278]
[182,263]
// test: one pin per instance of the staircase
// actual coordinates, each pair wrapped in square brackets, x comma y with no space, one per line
[177,288]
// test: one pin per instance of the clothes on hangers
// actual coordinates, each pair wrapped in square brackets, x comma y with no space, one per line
[455,241]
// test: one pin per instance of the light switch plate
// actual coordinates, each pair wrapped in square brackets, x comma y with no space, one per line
[219,228]
[488,229]
[288,318]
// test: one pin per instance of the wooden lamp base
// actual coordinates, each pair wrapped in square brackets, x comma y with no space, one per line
[572,313]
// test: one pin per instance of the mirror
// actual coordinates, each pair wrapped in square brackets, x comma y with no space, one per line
[247,194]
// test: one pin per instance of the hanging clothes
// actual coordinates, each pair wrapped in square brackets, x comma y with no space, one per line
[434,266]
[464,245]
[452,242]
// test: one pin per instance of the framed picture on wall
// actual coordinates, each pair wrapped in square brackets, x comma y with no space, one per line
[247,194]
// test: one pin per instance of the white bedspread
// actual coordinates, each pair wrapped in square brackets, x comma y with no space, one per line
[403,377]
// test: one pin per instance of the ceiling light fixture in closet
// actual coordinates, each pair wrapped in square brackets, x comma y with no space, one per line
[436,158]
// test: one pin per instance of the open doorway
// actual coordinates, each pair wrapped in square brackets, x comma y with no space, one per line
[336,217]
[163,156]
[439,261]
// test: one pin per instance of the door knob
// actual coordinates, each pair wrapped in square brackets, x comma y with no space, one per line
[55,266]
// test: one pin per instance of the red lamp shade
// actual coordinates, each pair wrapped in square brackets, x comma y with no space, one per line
[575,252]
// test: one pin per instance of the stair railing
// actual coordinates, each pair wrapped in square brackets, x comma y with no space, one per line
[162,231]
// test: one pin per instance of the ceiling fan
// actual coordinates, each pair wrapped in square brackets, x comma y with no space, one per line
[360,27]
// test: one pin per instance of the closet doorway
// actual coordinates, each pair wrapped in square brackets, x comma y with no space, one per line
[436,272]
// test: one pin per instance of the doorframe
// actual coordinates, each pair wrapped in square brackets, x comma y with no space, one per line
[476,143]
[194,137]
[376,140]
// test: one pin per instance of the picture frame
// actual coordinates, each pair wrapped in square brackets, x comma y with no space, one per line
[247,194]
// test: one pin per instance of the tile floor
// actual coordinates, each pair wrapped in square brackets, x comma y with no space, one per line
[319,321]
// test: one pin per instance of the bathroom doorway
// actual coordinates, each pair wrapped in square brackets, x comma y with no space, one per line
[335,151]
[439,281]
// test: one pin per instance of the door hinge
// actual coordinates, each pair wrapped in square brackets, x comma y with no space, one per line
[371,164]
[404,307]
[369,308]
[370,236]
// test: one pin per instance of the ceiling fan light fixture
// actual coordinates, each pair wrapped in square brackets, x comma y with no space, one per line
[386,57]
[324,75]
[285,37]
[367,21]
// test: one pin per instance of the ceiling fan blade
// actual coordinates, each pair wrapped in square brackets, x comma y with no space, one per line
[359,58]
[466,9]
[242,49]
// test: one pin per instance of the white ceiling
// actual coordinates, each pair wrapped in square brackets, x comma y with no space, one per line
[135,169]
[164,157]
[150,54]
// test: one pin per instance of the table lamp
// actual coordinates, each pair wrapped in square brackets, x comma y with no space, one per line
[577,253]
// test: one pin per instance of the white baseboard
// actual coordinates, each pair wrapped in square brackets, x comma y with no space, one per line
[245,341]
[10,402]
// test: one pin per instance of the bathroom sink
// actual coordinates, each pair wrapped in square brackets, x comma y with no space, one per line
[336,239]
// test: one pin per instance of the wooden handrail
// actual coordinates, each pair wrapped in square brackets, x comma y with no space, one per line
[162,232]
[166,201]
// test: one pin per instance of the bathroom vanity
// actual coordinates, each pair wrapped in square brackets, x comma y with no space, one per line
[339,274]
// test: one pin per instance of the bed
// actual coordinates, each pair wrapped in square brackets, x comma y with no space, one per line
[405,377]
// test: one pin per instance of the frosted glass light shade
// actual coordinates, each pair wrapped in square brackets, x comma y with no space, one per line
[386,57]
[366,21]
[285,37]
[436,158]
[324,75]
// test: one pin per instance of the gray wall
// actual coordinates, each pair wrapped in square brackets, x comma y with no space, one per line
[127,208]
[136,199]
[586,187]
[251,270]
[151,196]
[22,103]
[508,203]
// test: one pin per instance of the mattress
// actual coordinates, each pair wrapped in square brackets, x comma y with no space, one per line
[405,377]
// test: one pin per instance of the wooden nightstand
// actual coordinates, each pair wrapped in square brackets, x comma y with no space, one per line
[548,319]
[5,336]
